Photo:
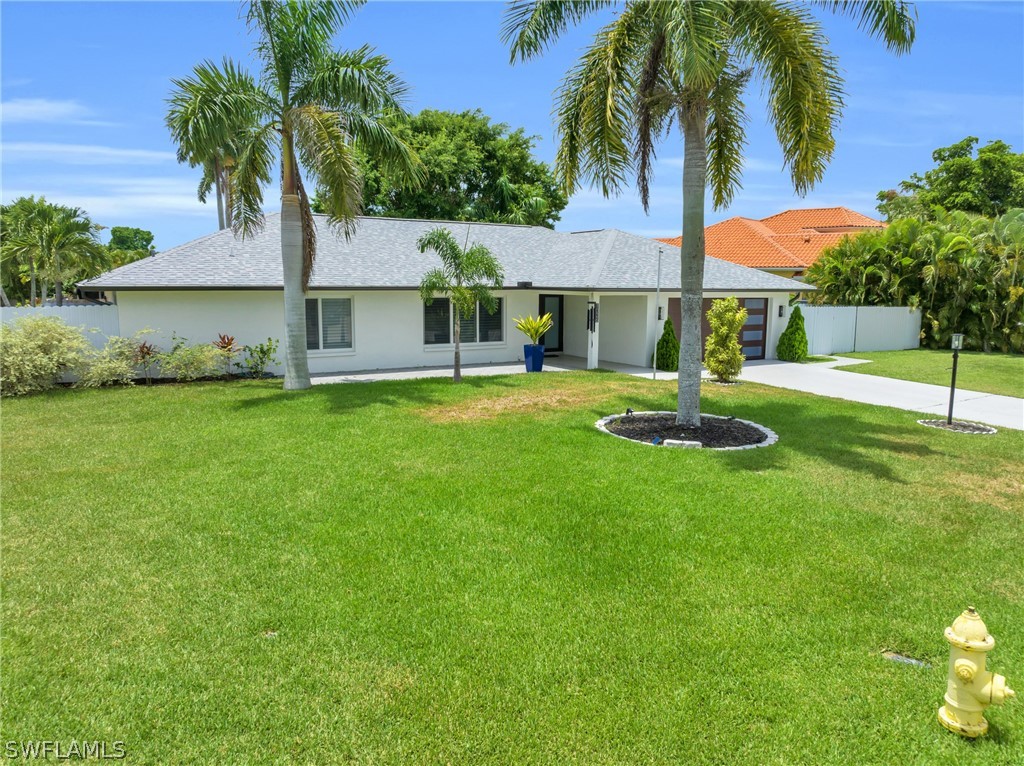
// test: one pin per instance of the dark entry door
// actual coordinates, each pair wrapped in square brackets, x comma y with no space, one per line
[552,339]
[753,334]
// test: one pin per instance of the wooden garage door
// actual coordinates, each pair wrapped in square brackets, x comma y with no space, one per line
[753,335]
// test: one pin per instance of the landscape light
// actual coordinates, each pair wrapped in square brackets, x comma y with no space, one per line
[958,341]
[957,344]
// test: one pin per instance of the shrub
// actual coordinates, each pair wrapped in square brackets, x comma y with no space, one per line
[258,358]
[793,341]
[667,352]
[112,364]
[722,354]
[226,344]
[146,355]
[185,363]
[36,351]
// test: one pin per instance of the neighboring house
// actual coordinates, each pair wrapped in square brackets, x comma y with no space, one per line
[785,243]
[364,311]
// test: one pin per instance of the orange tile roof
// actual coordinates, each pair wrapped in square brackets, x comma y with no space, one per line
[792,239]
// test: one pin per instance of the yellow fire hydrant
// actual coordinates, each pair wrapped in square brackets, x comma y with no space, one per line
[969,687]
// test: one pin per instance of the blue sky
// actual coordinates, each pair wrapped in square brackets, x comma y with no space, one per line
[83,88]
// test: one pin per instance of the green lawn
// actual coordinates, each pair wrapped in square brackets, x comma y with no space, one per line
[415,572]
[992,373]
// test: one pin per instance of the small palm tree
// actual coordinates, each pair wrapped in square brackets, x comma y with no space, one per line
[687,64]
[466,277]
[313,105]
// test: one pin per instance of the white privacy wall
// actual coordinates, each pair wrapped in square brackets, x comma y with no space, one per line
[842,329]
[99,322]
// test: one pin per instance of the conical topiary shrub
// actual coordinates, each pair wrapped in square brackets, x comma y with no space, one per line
[793,341]
[667,353]
[722,353]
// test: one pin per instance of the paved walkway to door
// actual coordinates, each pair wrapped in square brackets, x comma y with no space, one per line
[828,379]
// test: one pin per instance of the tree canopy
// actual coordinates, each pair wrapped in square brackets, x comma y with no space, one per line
[476,170]
[988,182]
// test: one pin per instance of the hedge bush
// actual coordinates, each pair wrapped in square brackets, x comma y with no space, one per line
[187,363]
[667,354]
[793,341]
[35,352]
[722,353]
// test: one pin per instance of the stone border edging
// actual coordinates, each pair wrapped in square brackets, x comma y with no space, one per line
[982,428]
[772,437]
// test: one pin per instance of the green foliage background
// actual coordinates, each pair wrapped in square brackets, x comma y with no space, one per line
[476,170]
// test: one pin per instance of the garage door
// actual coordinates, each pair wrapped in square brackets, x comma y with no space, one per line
[752,336]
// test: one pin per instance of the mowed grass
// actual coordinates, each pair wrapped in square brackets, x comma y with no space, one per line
[992,373]
[422,572]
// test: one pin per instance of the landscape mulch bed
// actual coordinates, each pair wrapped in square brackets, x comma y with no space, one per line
[713,432]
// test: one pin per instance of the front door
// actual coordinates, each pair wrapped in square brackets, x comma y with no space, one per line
[552,339]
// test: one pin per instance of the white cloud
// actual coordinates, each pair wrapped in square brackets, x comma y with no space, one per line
[109,199]
[82,154]
[47,110]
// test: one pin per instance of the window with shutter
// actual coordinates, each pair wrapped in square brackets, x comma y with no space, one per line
[312,324]
[336,321]
[437,322]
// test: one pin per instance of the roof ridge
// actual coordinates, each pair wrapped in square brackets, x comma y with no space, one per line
[602,257]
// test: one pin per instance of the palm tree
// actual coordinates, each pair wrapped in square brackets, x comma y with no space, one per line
[312,105]
[210,146]
[55,241]
[688,63]
[466,277]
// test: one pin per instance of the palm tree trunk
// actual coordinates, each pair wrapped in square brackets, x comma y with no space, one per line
[220,194]
[58,285]
[228,218]
[691,272]
[296,361]
[457,375]
[32,281]
[4,300]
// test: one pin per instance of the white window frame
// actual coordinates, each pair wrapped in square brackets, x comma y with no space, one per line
[468,345]
[324,352]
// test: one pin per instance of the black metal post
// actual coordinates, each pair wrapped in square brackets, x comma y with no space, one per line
[952,388]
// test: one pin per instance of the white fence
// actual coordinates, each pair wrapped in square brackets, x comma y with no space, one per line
[841,329]
[102,319]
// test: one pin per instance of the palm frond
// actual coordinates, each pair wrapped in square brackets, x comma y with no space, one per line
[726,135]
[530,26]
[325,150]
[252,170]
[595,116]
[360,79]
[787,46]
[892,21]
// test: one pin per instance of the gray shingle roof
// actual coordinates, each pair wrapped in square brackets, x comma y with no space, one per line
[383,254]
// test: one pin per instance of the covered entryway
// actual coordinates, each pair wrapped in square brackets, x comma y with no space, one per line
[753,337]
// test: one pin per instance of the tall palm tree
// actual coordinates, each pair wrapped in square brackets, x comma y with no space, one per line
[466,277]
[213,147]
[56,241]
[312,105]
[687,63]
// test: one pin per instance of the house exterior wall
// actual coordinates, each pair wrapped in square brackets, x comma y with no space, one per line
[387,330]
[623,322]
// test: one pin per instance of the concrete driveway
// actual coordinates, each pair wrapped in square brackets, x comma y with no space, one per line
[828,379]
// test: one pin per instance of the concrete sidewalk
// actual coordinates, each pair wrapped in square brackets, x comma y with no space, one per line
[824,379]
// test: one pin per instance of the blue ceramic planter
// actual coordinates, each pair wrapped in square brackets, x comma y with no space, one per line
[534,356]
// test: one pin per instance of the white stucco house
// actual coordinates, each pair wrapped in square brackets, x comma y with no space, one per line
[364,311]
